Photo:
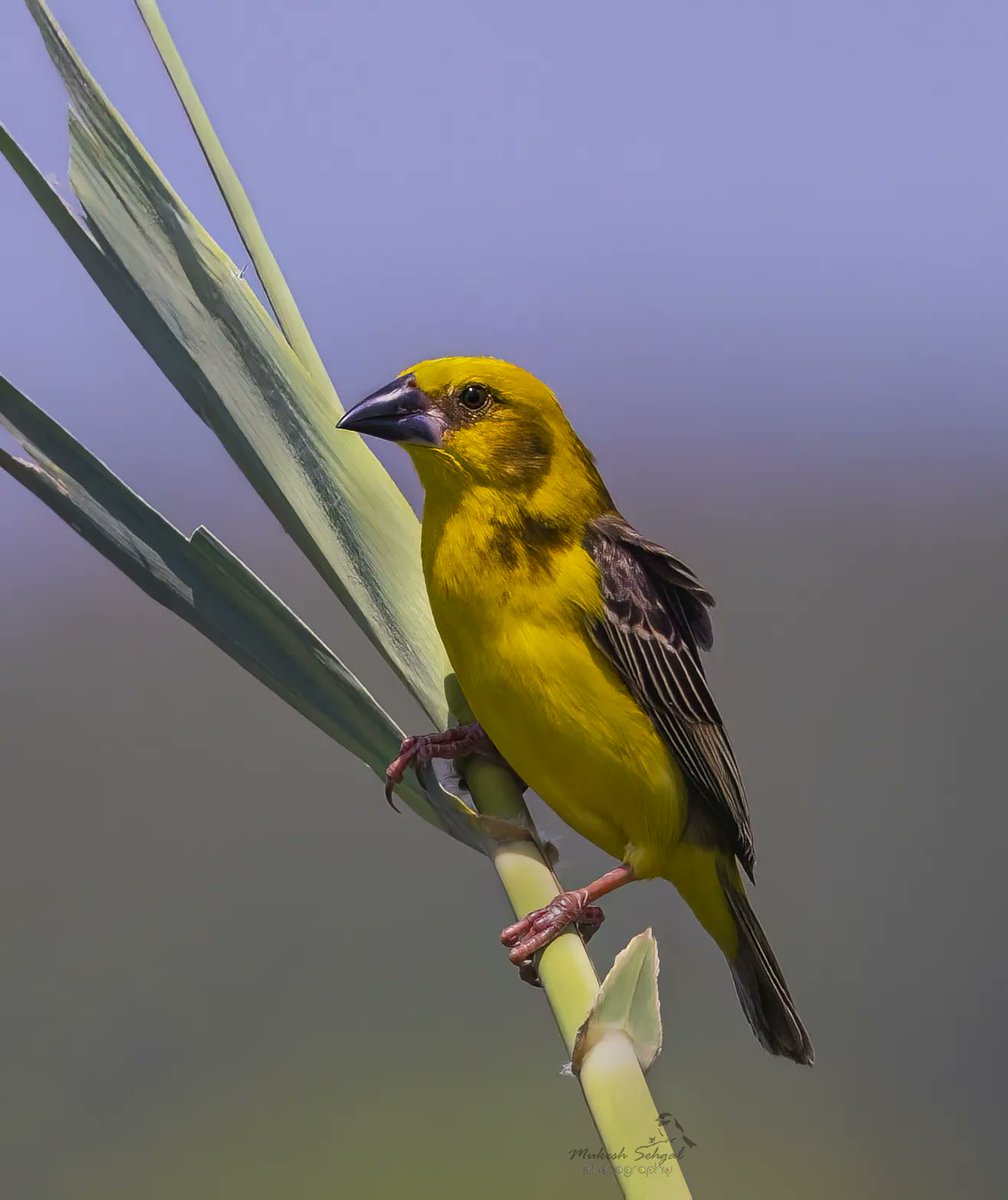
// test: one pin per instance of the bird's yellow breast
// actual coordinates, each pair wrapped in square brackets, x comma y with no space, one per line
[514,617]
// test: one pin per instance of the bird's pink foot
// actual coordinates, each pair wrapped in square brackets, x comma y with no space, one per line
[525,938]
[417,751]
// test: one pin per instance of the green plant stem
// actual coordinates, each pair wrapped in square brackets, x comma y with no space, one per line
[621,1105]
[611,1078]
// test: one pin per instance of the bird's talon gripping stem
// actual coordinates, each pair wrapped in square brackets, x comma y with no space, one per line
[539,928]
[533,933]
[528,970]
[417,751]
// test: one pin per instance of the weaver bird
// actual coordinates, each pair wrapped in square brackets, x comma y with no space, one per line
[576,643]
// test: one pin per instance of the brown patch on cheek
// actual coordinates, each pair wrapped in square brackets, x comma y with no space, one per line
[499,448]
[523,456]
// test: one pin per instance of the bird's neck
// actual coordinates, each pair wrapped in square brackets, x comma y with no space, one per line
[478,532]
[569,494]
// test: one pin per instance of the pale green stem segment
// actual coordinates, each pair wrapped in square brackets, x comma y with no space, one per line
[625,1117]
[250,231]
[610,1074]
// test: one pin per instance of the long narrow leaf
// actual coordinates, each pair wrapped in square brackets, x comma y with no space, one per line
[236,370]
[201,581]
[239,206]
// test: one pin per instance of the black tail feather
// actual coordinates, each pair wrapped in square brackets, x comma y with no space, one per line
[760,984]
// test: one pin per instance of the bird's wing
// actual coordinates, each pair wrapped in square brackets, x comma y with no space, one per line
[654,625]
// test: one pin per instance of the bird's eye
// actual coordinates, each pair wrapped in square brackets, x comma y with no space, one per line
[474,397]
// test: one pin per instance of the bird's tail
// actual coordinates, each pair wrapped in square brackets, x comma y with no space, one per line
[762,992]
[709,883]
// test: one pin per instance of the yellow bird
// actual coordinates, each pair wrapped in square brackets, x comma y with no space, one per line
[576,643]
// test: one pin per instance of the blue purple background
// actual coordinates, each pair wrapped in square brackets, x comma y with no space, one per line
[760,252]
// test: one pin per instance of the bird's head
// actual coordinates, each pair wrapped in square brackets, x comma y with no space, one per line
[478,420]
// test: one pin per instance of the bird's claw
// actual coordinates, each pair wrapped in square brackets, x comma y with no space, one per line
[527,937]
[528,973]
[395,772]
[418,751]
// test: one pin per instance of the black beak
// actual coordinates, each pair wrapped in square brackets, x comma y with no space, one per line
[399,412]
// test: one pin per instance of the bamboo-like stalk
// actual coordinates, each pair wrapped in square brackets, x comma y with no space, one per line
[610,1075]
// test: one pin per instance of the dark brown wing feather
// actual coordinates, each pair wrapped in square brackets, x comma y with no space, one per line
[655,623]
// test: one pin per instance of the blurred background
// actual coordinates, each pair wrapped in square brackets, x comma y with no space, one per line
[760,252]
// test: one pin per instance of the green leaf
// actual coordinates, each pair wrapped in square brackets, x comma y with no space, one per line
[200,580]
[239,206]
[184,300]
[627,1003]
